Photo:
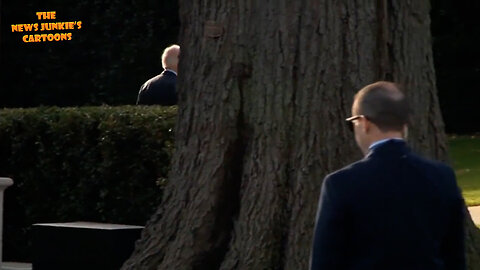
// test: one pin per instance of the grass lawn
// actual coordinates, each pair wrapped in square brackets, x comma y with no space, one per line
[465,154]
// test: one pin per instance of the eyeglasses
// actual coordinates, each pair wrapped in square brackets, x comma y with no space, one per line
[353,118]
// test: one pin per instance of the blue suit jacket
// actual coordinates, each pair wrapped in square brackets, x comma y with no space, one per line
[390,210]
[159,90]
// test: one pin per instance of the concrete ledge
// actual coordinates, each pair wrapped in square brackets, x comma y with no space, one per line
[16,266]
[4,183]
[90,225]
[82,245]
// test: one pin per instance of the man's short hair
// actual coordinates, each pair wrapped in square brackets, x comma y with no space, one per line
[169,55]
[384,104]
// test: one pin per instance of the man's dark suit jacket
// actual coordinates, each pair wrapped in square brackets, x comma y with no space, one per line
[159,90]
[391,210]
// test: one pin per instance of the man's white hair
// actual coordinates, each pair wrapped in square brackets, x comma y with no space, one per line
[170,55]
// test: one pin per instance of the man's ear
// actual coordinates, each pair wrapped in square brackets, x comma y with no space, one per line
[367,126]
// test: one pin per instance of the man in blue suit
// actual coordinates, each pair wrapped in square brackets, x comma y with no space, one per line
[393,209]
[161,89]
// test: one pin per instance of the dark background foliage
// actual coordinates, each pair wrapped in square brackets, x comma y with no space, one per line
[121,41]
[100,164]
[456,47]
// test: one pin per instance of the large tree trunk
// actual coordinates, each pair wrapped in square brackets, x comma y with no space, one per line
[264,88]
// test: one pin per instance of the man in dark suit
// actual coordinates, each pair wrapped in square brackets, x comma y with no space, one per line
[161,89]
[393,209]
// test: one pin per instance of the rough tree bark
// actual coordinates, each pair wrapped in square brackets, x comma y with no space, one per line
[264,88]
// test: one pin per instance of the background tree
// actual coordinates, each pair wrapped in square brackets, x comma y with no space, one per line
[264,89]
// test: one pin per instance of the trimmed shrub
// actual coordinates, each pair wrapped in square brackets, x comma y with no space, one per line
[100,164]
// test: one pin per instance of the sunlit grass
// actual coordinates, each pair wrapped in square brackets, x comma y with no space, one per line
[465,154]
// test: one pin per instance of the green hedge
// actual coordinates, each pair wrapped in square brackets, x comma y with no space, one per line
[102,164]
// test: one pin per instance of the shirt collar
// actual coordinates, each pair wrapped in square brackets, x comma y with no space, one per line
[380,142]
[171,71]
